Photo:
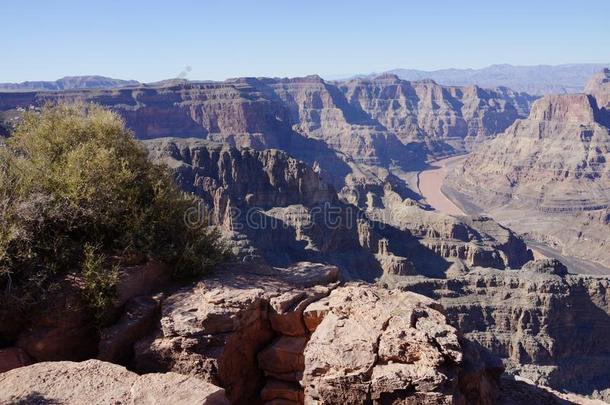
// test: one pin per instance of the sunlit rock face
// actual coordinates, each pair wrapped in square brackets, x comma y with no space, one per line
[547,325]
[548,175]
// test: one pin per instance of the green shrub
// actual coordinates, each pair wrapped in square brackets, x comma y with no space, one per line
[100,282]
[72,177]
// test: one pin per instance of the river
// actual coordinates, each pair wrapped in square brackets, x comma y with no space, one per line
[430,181]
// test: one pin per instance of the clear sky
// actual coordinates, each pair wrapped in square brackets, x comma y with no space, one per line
[153,40]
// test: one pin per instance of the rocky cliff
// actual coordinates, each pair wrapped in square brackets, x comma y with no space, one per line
[276,208]
[552,166]
[599,87]
[252,334]
[273,207]
[427,112]
[555,160]
[368,120]
[293,336]
[547,325]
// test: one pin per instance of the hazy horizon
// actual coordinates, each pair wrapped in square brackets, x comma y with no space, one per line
[325,77]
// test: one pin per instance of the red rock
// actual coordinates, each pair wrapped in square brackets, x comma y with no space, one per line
[56,344]
[97,382]
[284,355]
[215,328]
[286,310]
[314,314]
[62,330]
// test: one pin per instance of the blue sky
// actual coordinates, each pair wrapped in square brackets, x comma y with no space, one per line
[154,40]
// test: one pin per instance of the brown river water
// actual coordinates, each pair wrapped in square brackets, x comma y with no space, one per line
[430,182]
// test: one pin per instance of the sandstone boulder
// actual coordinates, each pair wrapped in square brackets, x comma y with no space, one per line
[277,390]
[286,310]
[283,358]
[374,344]
[175,389]
[139,280]
[96,382]
[215,329]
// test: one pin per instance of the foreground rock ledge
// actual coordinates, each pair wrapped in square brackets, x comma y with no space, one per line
[97,382]
[294,336]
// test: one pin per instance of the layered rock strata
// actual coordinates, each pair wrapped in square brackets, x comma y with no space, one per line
[548,326]
[548,175]
[370,121]
[276,208]
[425,111]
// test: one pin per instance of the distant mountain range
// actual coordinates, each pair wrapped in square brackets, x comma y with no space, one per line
[69,83]
[536,80]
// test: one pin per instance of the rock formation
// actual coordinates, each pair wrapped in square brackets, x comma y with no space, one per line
[599,87]
[548,174]
[264,179]
[375,345]
[372,121]
[427,112]
[216,329]
[293,335]
[61,328]
[270,205]
[463,241]
[547,325]
[97,382]
[277,208]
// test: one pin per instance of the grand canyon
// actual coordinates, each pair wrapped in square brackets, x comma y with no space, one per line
[413,236]
[466,259]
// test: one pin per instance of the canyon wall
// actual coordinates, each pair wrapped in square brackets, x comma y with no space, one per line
[547,325]
[548,175]
[373,121]
[277,209]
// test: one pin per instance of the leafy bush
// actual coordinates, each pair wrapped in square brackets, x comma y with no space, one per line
[72,178]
